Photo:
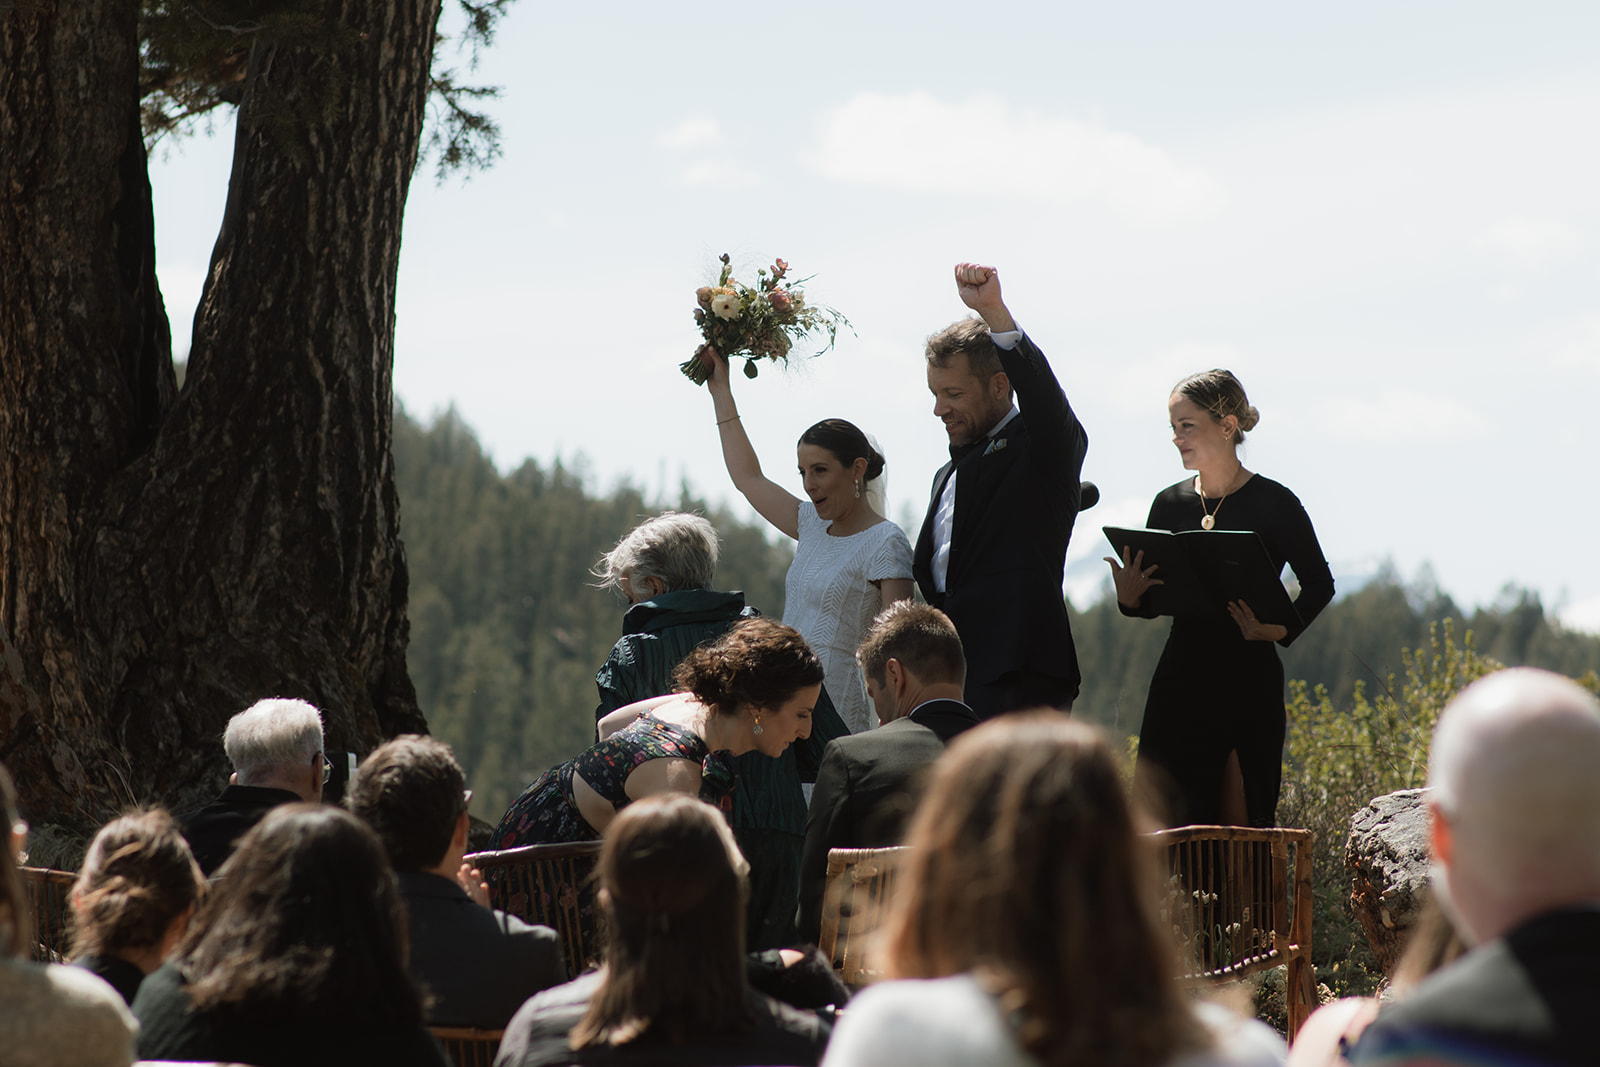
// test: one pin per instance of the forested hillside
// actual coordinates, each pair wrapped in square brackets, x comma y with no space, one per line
[507,628]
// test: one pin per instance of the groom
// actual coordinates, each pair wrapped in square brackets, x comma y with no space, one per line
[994,543]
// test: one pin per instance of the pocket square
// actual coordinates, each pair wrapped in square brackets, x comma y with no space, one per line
[994,446]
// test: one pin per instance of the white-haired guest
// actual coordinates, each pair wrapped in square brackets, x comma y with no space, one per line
[275,747]
[664,568]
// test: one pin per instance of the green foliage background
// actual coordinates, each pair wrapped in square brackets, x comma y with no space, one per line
[507,631]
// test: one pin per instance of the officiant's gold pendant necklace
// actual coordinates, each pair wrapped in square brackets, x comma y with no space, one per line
[1208,519]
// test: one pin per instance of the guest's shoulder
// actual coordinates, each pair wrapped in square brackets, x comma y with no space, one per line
[1239,1042]
[924,1021]
[53,1013]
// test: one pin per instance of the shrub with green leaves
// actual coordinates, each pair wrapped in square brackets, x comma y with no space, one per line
[1339,759]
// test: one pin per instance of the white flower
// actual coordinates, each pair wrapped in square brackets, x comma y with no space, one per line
[725,303]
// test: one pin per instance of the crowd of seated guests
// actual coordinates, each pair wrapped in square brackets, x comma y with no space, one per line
[1022,930]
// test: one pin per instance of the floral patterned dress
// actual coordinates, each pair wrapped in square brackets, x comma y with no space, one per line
[547,813]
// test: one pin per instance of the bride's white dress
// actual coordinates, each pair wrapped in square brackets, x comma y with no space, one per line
[829,597]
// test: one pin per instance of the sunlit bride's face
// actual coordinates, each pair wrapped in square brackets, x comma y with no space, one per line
[829,483]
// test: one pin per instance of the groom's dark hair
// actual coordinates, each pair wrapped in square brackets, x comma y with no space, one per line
[969,336]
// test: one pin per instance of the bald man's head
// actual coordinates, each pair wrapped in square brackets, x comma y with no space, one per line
[1515,771]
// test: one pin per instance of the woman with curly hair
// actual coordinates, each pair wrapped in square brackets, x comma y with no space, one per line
[753,690]
[1024,932]
[296,959]
[137,889]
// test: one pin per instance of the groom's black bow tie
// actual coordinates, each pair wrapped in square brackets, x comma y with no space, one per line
[960,452]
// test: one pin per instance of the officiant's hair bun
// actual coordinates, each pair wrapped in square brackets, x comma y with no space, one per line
[846,441]
[1220,393]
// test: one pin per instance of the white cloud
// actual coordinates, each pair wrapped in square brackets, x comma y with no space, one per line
[912,142]
[1583,616]
[692,133]
[1529,244]
[717,173]
[1404,415]
[1580,348]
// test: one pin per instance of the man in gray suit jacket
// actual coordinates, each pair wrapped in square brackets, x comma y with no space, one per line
[868,783]
[478,964]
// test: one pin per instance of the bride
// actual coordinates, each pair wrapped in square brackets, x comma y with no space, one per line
[850,562]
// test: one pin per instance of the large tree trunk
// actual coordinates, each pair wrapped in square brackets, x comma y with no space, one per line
[164,563]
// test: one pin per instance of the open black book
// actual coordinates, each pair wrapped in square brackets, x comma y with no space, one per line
[1204,569]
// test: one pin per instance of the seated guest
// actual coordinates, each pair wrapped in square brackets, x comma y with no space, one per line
[478,964]
[664,567]
[133,899]
[275,747]
[673,988]
[867,786]
[297,958]
[1516,866]
[1024,929]
[50,1015]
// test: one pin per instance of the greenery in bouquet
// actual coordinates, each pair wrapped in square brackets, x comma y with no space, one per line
[763,321]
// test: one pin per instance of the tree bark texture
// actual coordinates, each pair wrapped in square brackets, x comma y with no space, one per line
[166,557]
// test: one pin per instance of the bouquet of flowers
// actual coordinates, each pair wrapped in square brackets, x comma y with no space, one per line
[757,322]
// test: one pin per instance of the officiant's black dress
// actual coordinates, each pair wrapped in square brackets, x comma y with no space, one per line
[1214,692]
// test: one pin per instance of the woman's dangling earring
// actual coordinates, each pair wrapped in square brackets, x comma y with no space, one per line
[756,729]
[858,488]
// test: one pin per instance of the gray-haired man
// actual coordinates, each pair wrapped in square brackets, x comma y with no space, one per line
[275,747]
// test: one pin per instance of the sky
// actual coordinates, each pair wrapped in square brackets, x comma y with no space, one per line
[1382,217]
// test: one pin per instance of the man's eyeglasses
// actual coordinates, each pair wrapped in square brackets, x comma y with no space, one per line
[327,767]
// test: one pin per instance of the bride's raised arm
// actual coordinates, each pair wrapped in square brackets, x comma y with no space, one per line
[774,503]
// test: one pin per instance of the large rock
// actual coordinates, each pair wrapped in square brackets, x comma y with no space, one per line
[1388,859]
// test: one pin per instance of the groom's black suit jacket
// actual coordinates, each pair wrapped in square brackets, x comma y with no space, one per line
[1016,499]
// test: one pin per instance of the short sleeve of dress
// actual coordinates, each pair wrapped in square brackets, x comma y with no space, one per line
[892,559]
[810,523]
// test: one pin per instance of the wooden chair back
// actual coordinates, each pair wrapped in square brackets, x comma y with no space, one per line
[1241,901]
[51,894]
[466,1047]
[550,885]
[860,881]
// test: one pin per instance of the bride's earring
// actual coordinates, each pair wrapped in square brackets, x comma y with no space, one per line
[756,729]
[858,488]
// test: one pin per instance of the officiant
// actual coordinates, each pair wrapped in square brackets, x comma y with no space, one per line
[1211,744]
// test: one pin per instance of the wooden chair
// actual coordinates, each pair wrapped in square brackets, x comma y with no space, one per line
[1239,908]
[859,883]
[549,885]
[466,1047]
[51,894]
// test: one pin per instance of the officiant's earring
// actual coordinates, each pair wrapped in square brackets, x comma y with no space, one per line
[756,729]
[858,488]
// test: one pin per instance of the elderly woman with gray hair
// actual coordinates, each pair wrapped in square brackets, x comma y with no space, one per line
[665,567]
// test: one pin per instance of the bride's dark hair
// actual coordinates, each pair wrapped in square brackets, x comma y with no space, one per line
[847,443]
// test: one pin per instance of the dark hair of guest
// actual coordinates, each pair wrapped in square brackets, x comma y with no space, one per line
[672,889]
[305,924]
[137,878]
[1024,868]
[847,444]
[16,912]
[759,662]
[410,791]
